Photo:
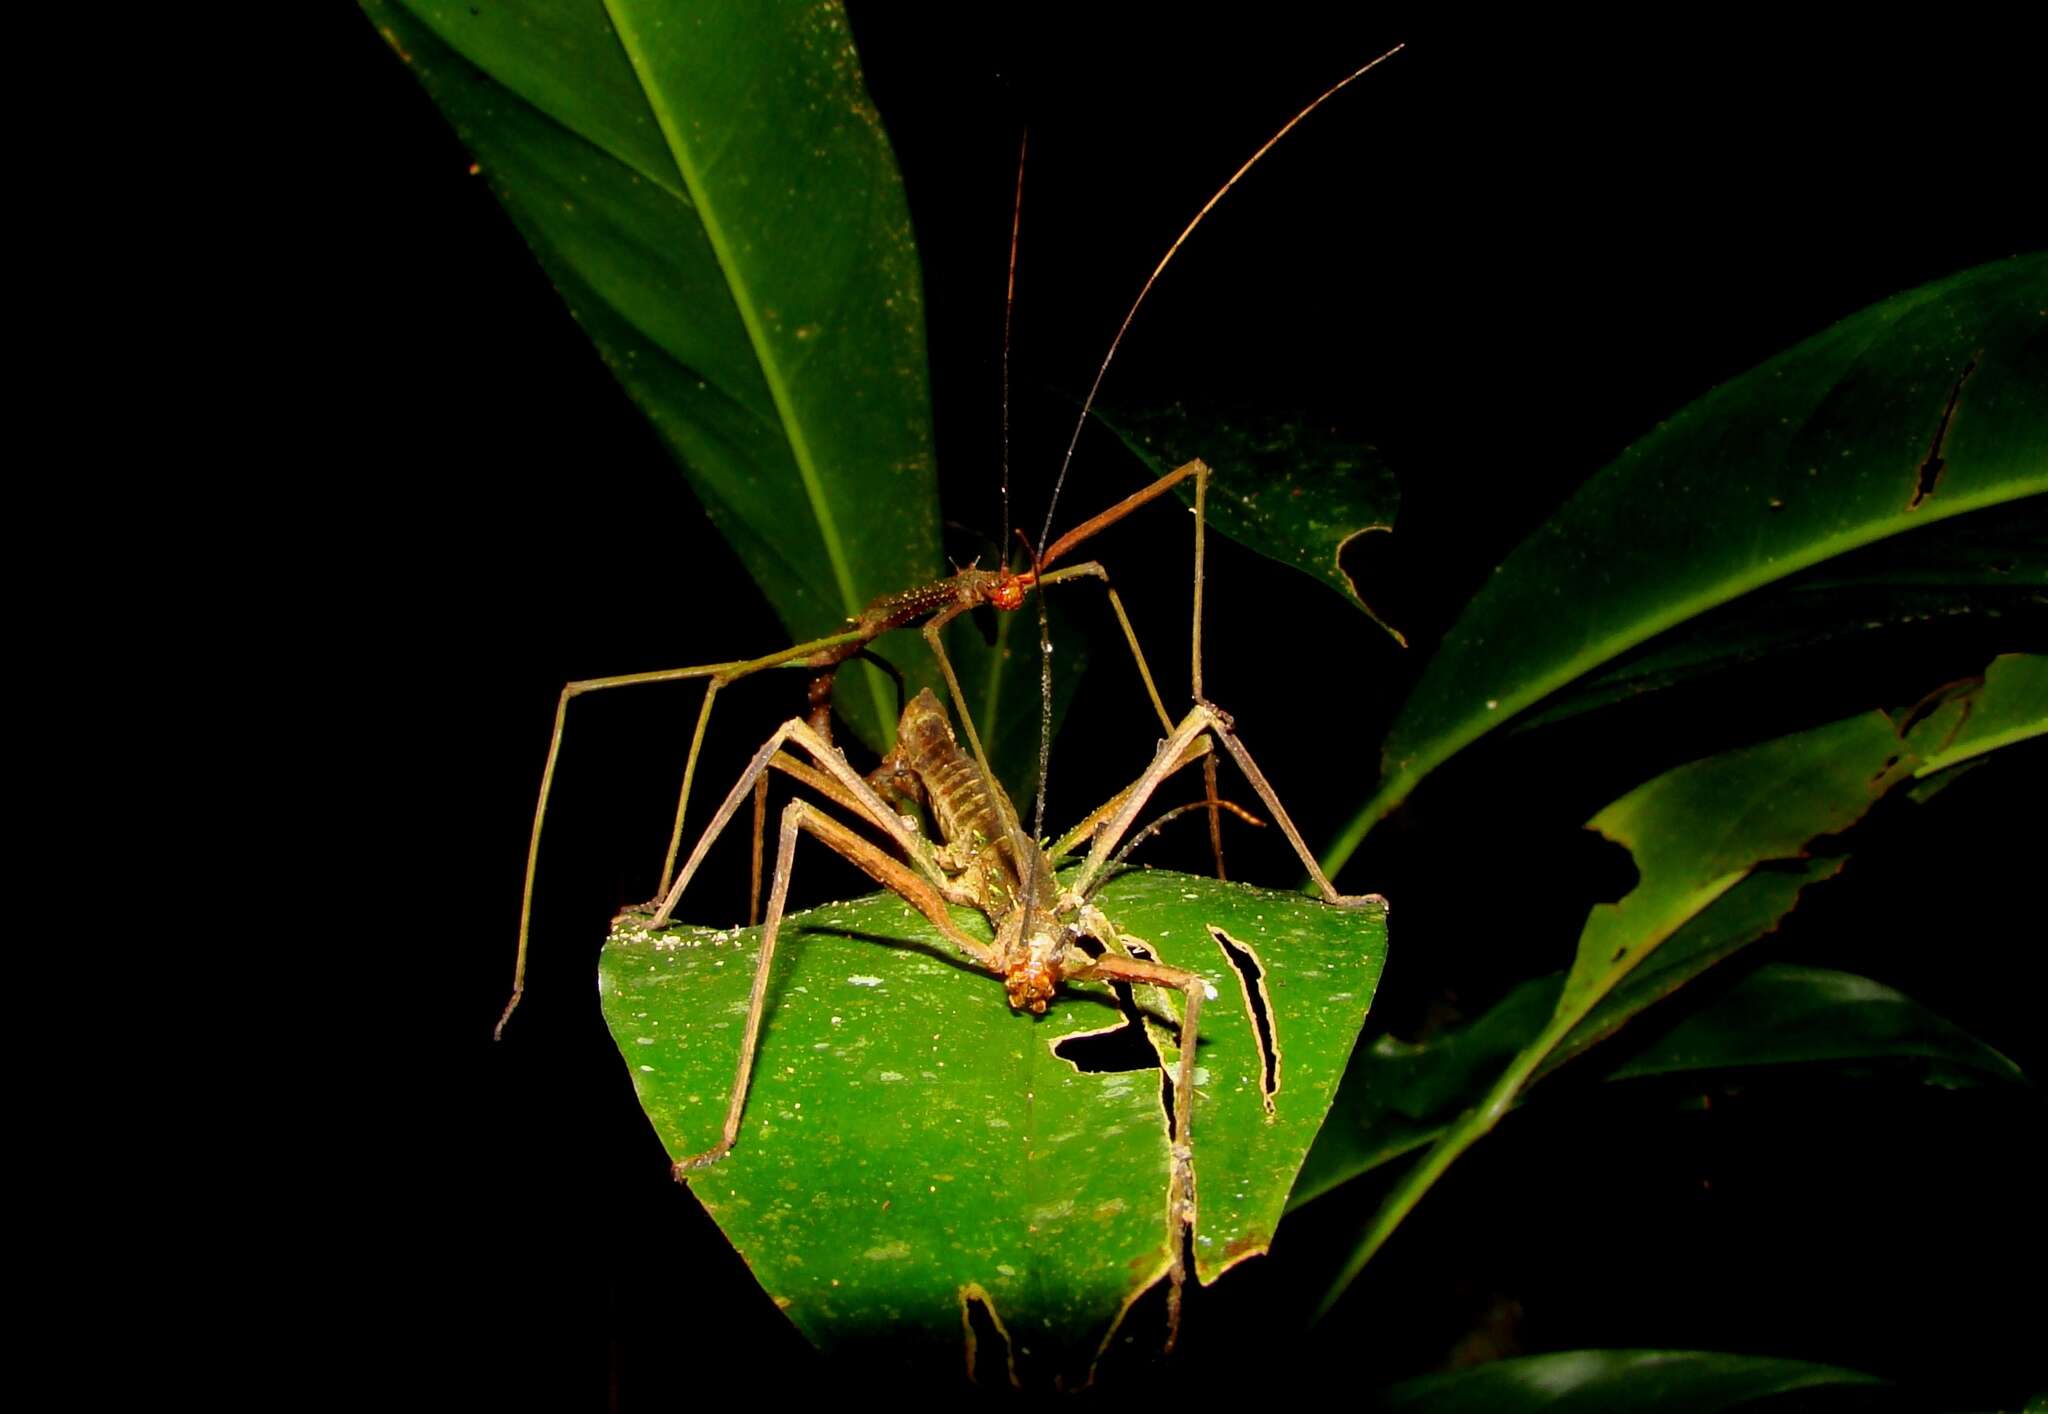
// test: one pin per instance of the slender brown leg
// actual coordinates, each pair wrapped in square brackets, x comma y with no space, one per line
[1180,1188]
[727,672]
[884,870]
[1198,470]
[1073,839]
[935,627]
[1195,650]
[1167,760]
[1266,793]
[760,823]
[1093,569]
[871,805]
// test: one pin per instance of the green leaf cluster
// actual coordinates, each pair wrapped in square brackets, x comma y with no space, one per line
[911,1147]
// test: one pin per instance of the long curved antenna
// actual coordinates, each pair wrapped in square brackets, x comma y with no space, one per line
[1088,403]
[1009,307]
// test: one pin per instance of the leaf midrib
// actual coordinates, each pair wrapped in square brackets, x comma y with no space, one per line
[772,371]
[1641,631]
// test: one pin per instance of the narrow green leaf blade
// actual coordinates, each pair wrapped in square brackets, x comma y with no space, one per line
[1926,406]
[908,1137]
[1291,490]
[1787,1014]
[1698,830]
[2010,707]
[1746,815]
[712,193]
[1696,833]
[1590,1381]
[1988,568]
[1400,1096]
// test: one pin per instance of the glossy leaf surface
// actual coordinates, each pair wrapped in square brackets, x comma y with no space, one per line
[908,1138]
[1590,1381]
[1711,841]
[1990,567]
[1400,1095]
[1292,491]
[1926,406]
[713,195]
[2009,706]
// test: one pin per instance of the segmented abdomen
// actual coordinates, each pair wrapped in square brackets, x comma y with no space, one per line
[972,814]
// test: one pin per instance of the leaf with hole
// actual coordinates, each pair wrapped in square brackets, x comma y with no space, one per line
[656,161]
[1287,488]
[1721,847]
[1926,406]
[908,1138]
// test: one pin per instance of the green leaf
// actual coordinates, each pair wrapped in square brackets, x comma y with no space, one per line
[1696,833]
[1720,846]
[1924,407]
[2009,705]
[713,195]
[1587,1381]
[1399,1096]
[1989,567]
[1785,1014]
[1292,491]
[908,1138]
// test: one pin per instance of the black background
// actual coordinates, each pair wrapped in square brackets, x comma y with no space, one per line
[1500,259]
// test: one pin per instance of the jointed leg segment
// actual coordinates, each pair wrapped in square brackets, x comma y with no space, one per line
[1172,754]
[872,860]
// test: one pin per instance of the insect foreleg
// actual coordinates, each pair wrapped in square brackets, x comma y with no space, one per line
[891,873]
[719,673]
[846,779]
[1180,1189]
[1094,569]
[1168,759]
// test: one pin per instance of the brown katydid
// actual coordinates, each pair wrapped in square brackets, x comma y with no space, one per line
[986,860]
[1045,928]
[937,604]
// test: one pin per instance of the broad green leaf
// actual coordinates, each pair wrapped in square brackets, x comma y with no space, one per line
[713,195]
[1929,405]
[1399,1096]
[1698,830]
[1589,1381]
[2010,706]
[1985,568]
[1696,833]
[908,1138]
[1290,490]
[1720,846]
[1785,1014]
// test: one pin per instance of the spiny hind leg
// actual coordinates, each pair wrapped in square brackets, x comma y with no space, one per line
[841,782]
[877,864]
[1172,754]
[1180,1184]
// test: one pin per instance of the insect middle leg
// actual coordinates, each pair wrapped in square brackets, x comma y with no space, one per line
[1170,757]
[891,873]
[1114,966]
[719,675]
